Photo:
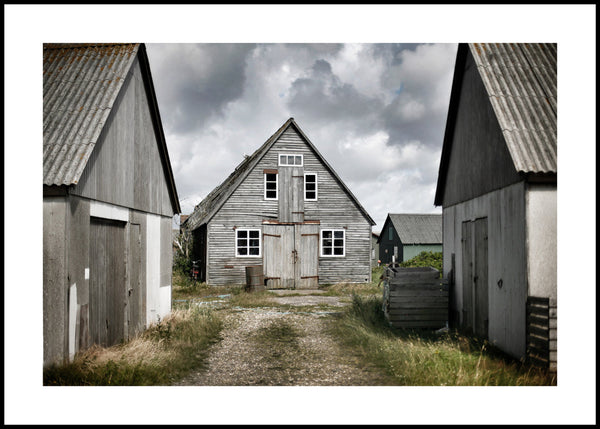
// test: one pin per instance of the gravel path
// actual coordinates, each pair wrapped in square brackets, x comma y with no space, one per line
[307,357]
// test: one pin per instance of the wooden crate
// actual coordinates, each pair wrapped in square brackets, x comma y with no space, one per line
[415,298]
[541,332]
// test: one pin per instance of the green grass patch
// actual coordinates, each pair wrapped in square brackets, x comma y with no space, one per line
[415,358]
[162,354]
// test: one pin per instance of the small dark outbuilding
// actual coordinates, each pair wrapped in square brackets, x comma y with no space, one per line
[404,236]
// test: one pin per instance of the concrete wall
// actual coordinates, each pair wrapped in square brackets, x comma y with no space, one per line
[55,288]
[507,267]
[541,240]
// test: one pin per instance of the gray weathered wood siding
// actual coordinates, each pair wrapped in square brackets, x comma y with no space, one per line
[478,149]
[125,167]
[247,208]
[507,263]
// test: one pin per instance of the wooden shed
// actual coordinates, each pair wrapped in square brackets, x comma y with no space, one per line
[497,187]
[108,201]
[283,208]
[404,236]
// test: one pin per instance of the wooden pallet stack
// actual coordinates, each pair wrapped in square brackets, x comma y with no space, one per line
[415,298]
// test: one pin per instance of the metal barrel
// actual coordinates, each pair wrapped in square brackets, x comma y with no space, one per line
[255,279]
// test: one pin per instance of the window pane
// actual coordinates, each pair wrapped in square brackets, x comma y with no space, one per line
[242,251]
[298,160]
[254,251]
[254,234]
[271,194]
[242,233]
[327,242]
[326,250]
[310,186]
[254,242]
[339,234]
[338,251]
[282,159]
[311,196]
[271,185]
[242,243]
[338,242]
[326,234]
[310,178]
[271,177]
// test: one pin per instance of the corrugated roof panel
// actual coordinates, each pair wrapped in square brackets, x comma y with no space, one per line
[418,228]
[81,84]
[520,79]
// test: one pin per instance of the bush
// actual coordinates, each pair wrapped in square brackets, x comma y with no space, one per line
[426,259]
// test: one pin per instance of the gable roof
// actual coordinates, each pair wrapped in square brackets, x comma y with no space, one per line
[417,228]
[211,204]
[81,84]
[520,81]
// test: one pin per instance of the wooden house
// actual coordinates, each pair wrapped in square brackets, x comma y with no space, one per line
[283,208]
[108,200]
[404,236]
[497,187]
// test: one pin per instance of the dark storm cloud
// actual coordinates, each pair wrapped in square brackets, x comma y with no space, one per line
[322,96]
[402,125]
[199,81]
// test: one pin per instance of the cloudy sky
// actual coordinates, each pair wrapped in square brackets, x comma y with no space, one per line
[375,111]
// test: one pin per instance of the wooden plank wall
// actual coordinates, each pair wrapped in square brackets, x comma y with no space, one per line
[541,332]
[125,167]
[415,298]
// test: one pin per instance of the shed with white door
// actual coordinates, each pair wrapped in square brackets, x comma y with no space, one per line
[286,209]
[108,201]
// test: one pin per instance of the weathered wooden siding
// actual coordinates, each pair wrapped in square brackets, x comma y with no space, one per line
[125,167]
[541,331]
[507,267]
[478,146]
[415,298]
[247,208]
[107,282]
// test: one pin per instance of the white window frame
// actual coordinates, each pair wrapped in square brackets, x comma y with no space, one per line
[290,154]
[276,187]
[237,255]
[333,231]
[316,198]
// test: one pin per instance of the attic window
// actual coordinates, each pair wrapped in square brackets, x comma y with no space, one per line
[291,160]
[310,187]
[247,243]
[270,186]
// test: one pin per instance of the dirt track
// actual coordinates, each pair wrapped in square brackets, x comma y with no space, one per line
[311,357]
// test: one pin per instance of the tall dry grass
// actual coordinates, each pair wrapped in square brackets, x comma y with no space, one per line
[163,353]
[416,358]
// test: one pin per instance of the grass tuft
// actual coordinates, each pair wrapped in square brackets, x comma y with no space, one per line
[163,353]
[424,358]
